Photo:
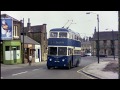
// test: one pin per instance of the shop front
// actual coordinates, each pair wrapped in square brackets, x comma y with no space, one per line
[12,52]
[31,47]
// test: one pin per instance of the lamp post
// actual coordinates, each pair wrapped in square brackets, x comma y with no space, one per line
[23,38]
[113,45]
[98,48]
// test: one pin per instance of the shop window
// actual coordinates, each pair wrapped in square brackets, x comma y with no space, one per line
[13,48]
[37,54]
[18,47]
[32,52]
[7,48]
[25,50]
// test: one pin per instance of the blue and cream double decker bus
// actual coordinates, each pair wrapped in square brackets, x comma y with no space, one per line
[64,48]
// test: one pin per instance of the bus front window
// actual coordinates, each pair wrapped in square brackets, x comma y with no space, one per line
[52,50]
[62,50]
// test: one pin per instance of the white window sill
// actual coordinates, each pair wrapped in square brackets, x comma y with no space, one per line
[16,36]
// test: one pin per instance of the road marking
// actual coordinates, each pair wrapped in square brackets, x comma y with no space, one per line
[19,73]
[79,71]
[35,69]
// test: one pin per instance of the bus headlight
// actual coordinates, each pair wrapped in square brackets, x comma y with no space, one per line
[50,59]
[63,60]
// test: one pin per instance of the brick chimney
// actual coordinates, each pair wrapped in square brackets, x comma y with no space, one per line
[28,25]
[44,27]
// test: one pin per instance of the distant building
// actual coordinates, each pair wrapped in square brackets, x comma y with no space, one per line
[39,34]
[108,42]
[86,45]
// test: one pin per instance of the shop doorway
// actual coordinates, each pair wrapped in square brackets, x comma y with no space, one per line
[14,54]
[39,54]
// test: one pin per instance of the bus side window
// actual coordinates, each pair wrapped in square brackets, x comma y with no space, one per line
[69,52]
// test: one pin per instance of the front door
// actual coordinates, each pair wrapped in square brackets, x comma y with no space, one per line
[14,55]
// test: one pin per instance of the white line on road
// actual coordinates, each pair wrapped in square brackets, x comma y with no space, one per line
[35,69]
[19,73]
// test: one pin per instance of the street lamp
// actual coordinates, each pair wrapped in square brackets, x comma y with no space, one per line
[98,33]
[113,45]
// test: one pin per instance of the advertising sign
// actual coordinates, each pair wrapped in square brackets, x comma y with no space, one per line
[6,28]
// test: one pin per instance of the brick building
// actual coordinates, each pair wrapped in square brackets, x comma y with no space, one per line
[39,34]
[108,42]
[10,49]
[31,47]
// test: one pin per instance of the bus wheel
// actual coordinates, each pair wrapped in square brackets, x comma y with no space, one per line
[77,64]
[69,65]
[48,67]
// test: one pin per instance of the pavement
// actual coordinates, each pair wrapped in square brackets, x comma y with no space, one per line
[105,69]
[102,70]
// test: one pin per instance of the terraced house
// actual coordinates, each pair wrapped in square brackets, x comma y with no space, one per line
[10,43]
[108,42]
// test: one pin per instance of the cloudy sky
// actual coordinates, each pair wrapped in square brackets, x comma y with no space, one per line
[82,22]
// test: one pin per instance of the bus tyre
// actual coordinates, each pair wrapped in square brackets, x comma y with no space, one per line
[69,65]
[77,64]
[48,67]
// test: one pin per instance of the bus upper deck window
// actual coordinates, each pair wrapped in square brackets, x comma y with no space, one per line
[63,35]
[53,34]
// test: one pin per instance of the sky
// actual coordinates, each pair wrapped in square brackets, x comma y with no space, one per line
[82,23]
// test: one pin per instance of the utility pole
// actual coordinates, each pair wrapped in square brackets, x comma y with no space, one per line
[98,47]
[98,39]
[23,39]
[113,46]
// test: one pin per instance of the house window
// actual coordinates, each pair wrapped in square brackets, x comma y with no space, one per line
[15,33]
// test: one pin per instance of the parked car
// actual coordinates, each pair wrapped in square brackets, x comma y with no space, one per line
[88,54]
